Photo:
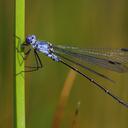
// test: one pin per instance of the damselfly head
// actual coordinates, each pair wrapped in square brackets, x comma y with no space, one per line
[30,39]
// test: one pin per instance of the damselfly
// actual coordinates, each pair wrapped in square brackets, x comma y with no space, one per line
[112,59]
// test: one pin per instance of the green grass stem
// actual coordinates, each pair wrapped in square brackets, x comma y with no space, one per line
[19,109]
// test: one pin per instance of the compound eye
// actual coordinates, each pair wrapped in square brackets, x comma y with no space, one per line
[28,40]
[33,37]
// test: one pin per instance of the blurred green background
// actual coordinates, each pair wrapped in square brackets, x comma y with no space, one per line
[81,23]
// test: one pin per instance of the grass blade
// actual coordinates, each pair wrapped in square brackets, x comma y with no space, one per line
[19,88]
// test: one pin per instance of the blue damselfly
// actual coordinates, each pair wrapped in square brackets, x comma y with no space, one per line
[111,59]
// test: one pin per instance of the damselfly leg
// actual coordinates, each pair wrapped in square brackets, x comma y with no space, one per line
[38,63]
[21,48]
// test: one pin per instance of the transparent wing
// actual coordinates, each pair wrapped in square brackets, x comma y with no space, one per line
[112,59]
